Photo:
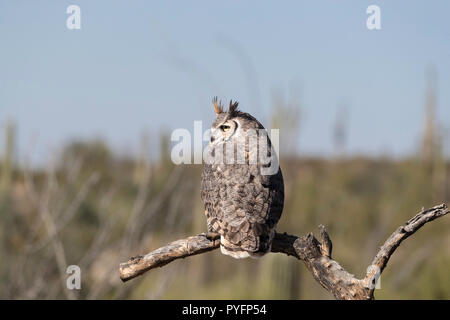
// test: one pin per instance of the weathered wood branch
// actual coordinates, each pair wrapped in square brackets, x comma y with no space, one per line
[314,253]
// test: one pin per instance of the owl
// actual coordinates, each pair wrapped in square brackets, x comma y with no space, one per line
[243,200]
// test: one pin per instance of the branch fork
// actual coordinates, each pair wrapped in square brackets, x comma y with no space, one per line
[314,253]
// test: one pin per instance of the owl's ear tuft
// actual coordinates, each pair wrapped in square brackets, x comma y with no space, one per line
[218,107]
[233,106]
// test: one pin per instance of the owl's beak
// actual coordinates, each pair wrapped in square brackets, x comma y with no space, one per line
[214,137]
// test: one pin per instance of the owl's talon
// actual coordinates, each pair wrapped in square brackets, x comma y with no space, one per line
[211,236]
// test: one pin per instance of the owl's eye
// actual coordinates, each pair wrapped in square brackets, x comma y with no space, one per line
[224,127]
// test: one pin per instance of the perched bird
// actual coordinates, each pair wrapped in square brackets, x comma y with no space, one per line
[242,202]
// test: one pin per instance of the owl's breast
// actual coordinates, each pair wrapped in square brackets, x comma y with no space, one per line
[234,193]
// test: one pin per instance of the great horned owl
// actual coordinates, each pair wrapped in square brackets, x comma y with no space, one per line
[242,202]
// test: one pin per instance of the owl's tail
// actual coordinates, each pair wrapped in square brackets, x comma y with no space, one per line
[237,252]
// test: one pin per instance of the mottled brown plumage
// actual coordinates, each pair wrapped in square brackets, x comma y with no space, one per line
[241,203]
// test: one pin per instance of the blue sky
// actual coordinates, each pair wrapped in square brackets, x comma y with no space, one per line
[154,65]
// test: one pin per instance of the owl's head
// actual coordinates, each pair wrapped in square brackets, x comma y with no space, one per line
[231,123]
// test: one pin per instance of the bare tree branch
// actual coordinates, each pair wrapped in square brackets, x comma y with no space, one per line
[403,232]
[164,255]
[314,253]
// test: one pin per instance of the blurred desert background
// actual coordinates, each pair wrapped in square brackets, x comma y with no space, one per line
[86,118]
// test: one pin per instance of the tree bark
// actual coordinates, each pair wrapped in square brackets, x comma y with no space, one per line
[314,253]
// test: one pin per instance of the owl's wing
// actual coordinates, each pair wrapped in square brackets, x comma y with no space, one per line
[209,192]
[242,205]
